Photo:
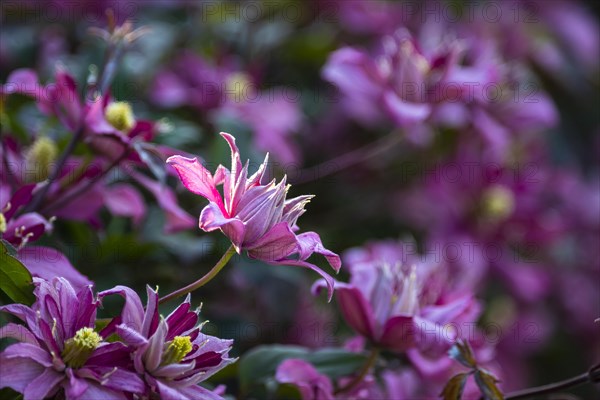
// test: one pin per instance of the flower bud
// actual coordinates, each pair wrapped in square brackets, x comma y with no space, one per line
[120,115]
[40,156]
[80,347]
[176,351]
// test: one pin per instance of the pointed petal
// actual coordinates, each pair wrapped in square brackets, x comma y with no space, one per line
[18,332]
[356,310]
[132,314]
[195,177]
[43,385]
[278,243]
[199,393]
[212,218]
[405,113]
[151,316]
[17,372]
[154,351]
[22,351]
[310,242]
[400,333]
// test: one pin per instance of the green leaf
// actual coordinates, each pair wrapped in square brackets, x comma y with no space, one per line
[15,279]
[455,386]
[487,385]
[10,249]
[260,364]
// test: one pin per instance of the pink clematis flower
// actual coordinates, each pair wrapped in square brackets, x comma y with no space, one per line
[255,217]
[394,300]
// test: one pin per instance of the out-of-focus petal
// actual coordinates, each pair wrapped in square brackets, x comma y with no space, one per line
[47,263]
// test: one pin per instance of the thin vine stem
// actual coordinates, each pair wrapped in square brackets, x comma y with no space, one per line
[592,376]
[349,159]
[202,281]
[70,196]
[371,360]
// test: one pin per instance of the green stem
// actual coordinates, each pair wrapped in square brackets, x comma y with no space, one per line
[202,281]
[592,376]
[363,372]
[354,157]
[70,196]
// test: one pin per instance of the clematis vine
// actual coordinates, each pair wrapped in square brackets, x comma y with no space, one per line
[256,217]
[171,354]
[59,350]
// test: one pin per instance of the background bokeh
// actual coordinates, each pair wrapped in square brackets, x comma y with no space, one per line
[517,181]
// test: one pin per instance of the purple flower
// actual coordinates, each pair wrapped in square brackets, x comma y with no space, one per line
[20,229]
[399,80]
[311,384]
[59,349]
[171,354]
[314,385]
[392,300]
[255,217]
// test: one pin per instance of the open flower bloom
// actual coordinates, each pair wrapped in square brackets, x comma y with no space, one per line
[171,354]
[255,217]
[396,303]
[59,348]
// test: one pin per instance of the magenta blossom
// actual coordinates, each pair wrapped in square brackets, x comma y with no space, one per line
[255,217]
[59,349]
[171,354]
[314,385]
[394,301]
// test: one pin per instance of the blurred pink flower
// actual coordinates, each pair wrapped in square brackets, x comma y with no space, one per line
[395,301]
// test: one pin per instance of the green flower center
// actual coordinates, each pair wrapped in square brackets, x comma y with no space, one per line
[39,158]
[177,349]
[498,202]
[120,115]
[2,223]
[80,347]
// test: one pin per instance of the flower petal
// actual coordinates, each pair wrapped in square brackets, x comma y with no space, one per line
[405,113]
[18,332]
[310,242]
[17,372]
[311,384]
[212,218]
[278,243]
[125,200]
[132,314]
[43,385]
[47,263]
[400,333]
[195,177]
[356,310]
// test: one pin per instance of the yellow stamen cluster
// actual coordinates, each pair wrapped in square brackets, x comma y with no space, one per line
[120,115]
[2,223]
[80,347]
[176,351]
[237,86]
[498,202]
[39,158]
